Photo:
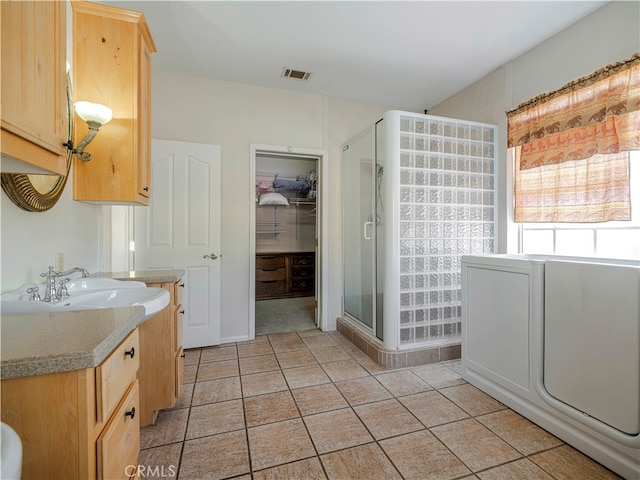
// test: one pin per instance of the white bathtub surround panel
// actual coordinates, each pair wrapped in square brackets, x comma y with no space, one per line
[498,307]
[591,331]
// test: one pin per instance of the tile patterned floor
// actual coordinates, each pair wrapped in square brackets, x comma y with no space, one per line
[310,405]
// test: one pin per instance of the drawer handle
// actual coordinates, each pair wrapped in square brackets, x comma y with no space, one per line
[182,285]
[183,355]
[131,352]
[182,312]
[269,269]
[267,258]
[131,413]
[268,281]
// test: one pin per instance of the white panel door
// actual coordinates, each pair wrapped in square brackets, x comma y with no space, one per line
[181,229]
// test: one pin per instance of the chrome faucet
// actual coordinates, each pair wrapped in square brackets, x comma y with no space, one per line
[50,293]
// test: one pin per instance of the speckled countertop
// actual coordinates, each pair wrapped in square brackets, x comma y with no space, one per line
[60,342]
[146,276]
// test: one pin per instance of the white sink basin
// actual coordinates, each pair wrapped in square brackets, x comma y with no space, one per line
[11,454]
[86,294]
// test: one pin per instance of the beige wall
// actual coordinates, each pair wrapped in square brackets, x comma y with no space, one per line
[608,35]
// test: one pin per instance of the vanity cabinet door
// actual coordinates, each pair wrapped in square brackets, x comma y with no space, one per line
[34,83]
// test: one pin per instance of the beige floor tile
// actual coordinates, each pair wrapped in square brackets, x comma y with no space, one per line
[455,365]
[169,428]
[261,383]
[254,349]
[365,462]
[216,457]
[190,372]
[403,382]
[472,400]
[217,354]
[319,341]
[214,418]
[474,444]
[276,337]
[311,333]
[307,469]
[362,390]
[520,433]
[344,370]
[524,469]
[160,462]
[330,354]
[387,418]
[269,408]
[336,430]
[288,345]
[438,376]
[279,443]
[566,463]
[185,397]
[420,455]
[218,390]
[298,358]
[369,365]
[192,356]
[318,399]
[433,409]
[305,376]
[262,363]
[213,370]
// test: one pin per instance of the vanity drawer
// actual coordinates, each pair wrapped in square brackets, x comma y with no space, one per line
[270,274]
[178,287]
[115,374]
[119,443]
[270,261]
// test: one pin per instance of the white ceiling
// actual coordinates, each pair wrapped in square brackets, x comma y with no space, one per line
[410,54]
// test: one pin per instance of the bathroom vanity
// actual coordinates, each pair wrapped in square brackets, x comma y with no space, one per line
[70,390]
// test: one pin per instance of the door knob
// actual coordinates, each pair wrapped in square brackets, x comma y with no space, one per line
[213,256]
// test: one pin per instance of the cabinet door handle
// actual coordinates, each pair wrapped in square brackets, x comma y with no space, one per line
[182,312]
[183,355]
[146,189]
[131,352]
[182,285]
[131,413]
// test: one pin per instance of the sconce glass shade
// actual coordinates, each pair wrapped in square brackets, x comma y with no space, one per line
[94,112]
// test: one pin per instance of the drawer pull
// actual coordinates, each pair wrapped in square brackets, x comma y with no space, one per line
[268,258]
[131,413]
[183,355]
[131,352]
[182,312]
[268,269]
[268,281]
[182,285]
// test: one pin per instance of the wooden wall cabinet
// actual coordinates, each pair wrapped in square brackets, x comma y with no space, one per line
[162,365]
[81,424]
[34,84]
[112,65]
[285,275]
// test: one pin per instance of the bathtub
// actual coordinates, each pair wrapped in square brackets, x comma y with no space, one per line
[557,340]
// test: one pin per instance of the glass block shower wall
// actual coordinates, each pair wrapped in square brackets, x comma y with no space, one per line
[446,210]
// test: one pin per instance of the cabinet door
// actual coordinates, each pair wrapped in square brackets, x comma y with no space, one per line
[144,121]
[34,95]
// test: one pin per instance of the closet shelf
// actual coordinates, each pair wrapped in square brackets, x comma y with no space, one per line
[272,233]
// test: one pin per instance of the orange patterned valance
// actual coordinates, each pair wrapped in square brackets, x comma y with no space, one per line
[598,114]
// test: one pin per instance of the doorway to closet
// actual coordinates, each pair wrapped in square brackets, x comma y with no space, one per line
[286,227]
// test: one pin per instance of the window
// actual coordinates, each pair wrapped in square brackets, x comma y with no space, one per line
[606,240]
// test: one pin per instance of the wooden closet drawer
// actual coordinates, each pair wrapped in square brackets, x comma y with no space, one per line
[270,274]
[271,287]
[269,261]
[116,373]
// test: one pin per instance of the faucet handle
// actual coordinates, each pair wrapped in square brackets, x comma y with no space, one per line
[62,292]
[50,274]
[35,296]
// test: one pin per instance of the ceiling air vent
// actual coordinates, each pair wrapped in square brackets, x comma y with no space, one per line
[297,74]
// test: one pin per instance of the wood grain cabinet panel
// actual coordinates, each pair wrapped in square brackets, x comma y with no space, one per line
[34,83]
[112,65]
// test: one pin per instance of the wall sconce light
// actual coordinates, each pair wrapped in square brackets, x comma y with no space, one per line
[95,115]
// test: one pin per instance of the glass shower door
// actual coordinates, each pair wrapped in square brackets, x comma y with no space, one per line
[359,229]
